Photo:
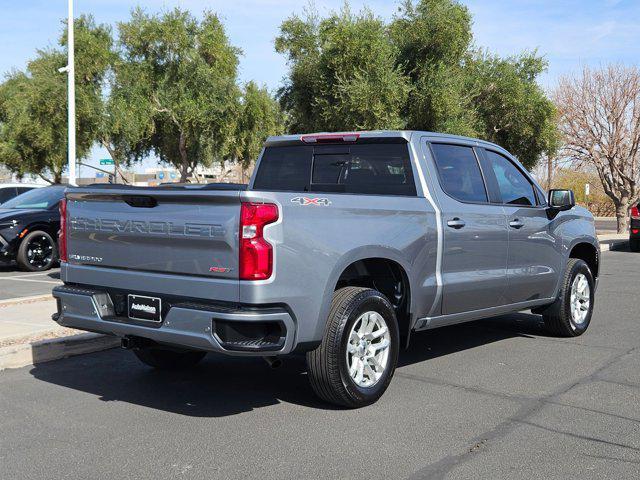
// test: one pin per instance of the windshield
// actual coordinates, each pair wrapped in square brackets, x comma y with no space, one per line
[39,198]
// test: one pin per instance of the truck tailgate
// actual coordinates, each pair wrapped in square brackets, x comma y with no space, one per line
[181,232]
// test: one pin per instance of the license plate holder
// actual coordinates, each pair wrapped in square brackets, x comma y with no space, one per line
[146,309]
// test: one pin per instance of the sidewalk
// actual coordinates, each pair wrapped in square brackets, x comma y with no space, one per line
[29,320]
[28,335]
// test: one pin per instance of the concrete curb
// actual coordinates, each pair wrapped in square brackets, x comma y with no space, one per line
[613,241]
[614,245]
[17,300]
[21,355]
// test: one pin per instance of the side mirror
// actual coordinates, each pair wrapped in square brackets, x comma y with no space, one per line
[561,200]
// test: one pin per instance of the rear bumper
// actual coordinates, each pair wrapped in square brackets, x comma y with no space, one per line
[186,325]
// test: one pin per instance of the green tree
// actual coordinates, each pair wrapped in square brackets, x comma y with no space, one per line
[420,71]
[259,117]
[511,108]
[33,104]
[433,38]
[186,71]
[126,124]
[343,73]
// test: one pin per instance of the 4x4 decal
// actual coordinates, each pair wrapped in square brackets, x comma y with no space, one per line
[320,201]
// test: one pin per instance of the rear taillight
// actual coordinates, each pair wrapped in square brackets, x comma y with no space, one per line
[256,254]
[62,234]
[635,213]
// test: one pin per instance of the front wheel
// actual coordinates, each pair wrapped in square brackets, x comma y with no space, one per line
[165,359]
[355,362]
[570,315]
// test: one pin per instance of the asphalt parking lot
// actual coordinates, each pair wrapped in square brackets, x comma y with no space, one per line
[494,399]
[17,284]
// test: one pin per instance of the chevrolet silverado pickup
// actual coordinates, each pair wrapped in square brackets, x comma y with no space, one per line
[340,247]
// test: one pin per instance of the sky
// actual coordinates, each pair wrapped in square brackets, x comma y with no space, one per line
[568,33]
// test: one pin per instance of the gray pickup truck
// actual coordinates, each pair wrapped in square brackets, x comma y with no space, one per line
[340,247]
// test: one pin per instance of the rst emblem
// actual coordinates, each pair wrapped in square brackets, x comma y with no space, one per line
[319,201]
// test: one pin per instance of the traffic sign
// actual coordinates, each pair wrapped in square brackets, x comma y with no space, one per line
[107,161]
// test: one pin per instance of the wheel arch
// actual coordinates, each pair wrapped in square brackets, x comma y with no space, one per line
[589,253]
[44,226]
[382,269]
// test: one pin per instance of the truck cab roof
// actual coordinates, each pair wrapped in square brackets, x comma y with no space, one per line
[368,136]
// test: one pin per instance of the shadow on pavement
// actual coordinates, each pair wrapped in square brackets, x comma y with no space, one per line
[8,267]
[55,274]
[619,247]
[221,386]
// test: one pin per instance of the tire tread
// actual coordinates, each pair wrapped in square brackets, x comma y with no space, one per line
[555,317]
[324,362]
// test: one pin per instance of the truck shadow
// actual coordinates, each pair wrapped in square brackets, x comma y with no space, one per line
[222,386]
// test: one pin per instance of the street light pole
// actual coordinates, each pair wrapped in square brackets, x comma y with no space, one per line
[71,97]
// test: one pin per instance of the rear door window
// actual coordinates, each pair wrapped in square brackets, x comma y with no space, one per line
[459,172]
[515,188]
[380,169]
[284,169]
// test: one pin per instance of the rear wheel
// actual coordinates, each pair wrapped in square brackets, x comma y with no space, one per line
[634,244]
[37,252]
[165,359]
[570,315]
[355,362]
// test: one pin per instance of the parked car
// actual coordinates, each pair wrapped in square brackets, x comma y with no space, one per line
[29,226]
[11,190]
[340,247]
[634,229]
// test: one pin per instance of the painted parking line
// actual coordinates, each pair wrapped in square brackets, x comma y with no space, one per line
[53,282]
[22,324]
[27,275]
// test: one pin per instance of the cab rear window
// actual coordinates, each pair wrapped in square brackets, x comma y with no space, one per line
[378,169]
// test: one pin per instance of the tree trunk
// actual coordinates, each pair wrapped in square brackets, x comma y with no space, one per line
[622,217]
[184,161]
[184,172]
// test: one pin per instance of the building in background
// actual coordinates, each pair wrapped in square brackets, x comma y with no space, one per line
[229,173]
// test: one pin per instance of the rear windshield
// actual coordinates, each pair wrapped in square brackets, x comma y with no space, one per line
[381,169]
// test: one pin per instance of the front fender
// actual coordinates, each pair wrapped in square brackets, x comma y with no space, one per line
[575,227]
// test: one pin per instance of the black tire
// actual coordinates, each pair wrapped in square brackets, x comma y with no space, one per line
[558,318]
[30,261]
[327,365]
[634,244]
[165,359]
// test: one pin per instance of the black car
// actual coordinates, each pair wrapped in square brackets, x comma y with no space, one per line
[634,229]
[29,226]
[12,190]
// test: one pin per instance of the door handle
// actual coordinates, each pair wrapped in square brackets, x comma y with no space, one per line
[456,223]
[516,223]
